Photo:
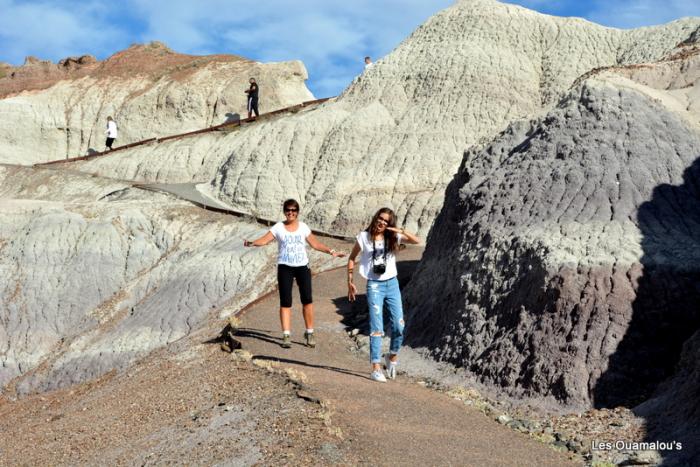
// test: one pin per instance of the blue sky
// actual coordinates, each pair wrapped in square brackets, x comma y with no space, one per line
[330,36]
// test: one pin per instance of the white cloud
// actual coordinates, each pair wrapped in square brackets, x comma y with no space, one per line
[330,36]
[46,30]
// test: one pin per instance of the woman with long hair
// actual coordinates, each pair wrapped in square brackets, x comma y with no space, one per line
[293,263]
[377,246]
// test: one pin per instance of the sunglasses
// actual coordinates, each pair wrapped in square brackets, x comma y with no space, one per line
[291,210]
[381,219]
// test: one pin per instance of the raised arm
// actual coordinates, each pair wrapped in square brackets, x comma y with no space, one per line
[262,241]
[318,246]
[410,238]
[352,290]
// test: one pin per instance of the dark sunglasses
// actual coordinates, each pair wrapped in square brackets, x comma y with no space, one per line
[381,219]
[291,210]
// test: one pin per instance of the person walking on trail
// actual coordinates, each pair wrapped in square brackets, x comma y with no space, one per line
[368,62]
[293,263]
[111,132]
[377,246]
[252,92]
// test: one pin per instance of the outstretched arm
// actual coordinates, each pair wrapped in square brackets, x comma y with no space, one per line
[317,245]
[262,241]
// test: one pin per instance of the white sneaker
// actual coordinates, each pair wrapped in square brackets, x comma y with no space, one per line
[390,367]
[378,376]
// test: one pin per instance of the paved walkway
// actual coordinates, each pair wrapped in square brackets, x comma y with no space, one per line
[397,423]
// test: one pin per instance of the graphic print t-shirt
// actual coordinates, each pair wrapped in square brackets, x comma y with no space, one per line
[292,245]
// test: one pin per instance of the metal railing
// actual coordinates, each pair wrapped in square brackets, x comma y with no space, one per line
[235,124]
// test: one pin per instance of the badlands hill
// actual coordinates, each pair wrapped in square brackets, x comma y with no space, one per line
[56,111]
[397,134]
[565,264]
[552,243]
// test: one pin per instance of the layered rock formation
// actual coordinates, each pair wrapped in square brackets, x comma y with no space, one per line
[397,134]
[110,273]
[58,111]
[565,264]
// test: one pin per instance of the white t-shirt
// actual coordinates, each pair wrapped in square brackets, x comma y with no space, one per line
[365,242]
[292,245]
[111,129]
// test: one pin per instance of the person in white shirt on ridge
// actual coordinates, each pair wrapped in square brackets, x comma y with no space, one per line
[111,132]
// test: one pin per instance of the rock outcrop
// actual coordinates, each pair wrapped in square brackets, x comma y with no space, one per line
[55,111]
[565,265]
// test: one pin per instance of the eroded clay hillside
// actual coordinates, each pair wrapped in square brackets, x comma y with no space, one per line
[56,111]
[564,266]
[397,134]
[110,272]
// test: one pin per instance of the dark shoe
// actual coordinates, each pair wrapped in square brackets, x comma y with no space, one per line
[286,341]
[310,339]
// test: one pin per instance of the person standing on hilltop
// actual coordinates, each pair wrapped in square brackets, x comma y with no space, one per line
[252,92]
[368,62]
[378,245]
[111,132]
[293,263]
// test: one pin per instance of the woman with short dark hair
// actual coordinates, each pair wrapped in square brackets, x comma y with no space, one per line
[377,246]
[293,263]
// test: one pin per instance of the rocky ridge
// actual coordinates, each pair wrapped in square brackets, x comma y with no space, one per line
[54,111]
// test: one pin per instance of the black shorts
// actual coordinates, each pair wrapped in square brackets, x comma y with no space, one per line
[253,105]
[285,277]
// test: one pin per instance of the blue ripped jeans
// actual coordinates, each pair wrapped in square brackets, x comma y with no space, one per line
[377,293]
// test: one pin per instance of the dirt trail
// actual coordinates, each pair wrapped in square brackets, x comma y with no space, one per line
[397,423]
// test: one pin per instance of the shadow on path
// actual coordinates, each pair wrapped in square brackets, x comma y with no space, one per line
[310,365]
